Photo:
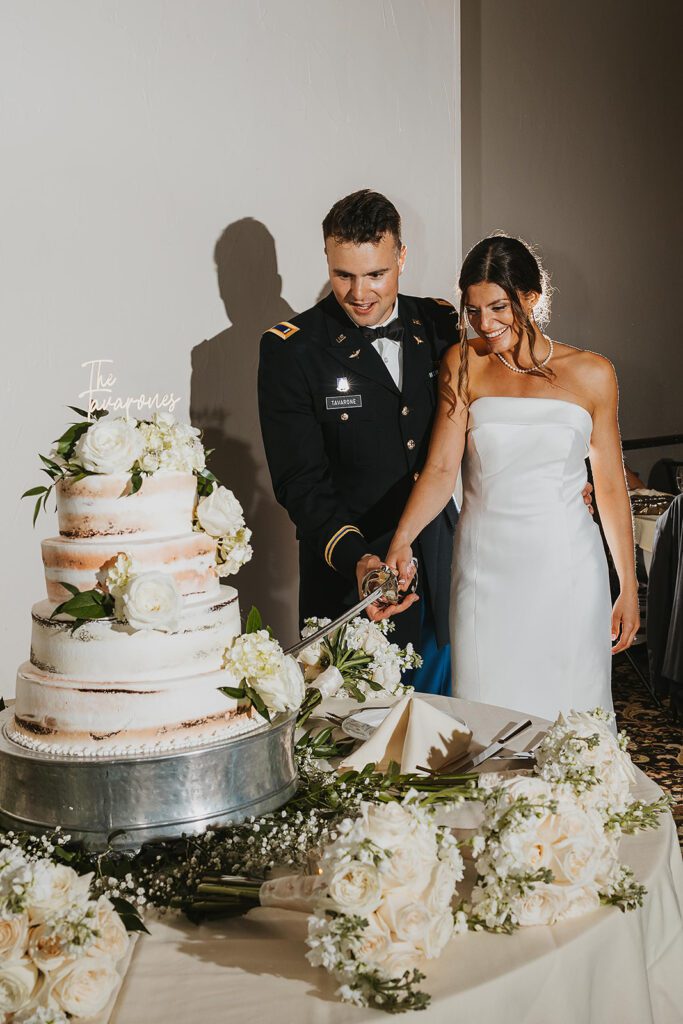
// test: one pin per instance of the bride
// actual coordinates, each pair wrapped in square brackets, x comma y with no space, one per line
[532,626]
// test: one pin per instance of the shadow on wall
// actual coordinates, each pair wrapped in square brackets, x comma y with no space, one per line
[223,404]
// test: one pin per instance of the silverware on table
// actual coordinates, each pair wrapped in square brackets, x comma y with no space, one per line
[459,763]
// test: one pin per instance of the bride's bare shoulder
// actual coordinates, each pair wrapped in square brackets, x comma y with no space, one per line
[590,368]
[475,351]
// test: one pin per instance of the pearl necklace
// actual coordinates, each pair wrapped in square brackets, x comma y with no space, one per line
[529,369]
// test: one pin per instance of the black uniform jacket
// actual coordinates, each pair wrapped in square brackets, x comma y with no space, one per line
[344,446]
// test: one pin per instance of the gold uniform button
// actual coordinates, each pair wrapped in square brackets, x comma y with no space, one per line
[405,410]
[410,444]
[344,416]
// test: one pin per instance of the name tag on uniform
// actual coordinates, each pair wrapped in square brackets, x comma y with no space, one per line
[344,402]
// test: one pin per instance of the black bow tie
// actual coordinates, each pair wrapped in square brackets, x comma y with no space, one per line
[393,331]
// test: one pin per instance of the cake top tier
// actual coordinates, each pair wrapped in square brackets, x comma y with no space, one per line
[106,457]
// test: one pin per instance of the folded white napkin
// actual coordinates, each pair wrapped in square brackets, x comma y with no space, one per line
[413,733]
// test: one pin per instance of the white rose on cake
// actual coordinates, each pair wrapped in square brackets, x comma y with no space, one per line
[282,689]
[220,514]
[55,886]
[109,446]
[150,601]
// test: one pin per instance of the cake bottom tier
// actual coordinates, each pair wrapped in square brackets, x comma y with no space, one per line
[111,719]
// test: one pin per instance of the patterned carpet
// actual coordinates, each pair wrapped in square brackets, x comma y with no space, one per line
[656,741]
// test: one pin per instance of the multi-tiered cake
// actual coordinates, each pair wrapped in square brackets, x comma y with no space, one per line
[133,660]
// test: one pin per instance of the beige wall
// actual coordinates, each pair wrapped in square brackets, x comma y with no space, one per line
[571,138]
[165,168]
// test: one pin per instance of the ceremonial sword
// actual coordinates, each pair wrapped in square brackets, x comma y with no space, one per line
[379,586]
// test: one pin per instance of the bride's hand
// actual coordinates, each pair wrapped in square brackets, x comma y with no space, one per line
[625,620]
[400,558]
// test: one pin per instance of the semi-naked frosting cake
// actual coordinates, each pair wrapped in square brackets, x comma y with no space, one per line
[107,687]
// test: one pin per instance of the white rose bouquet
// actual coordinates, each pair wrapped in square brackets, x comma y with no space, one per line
[142,600]
[220,515]
[356,660]
[59,947]
[384,907]
[542,857]
[264,676]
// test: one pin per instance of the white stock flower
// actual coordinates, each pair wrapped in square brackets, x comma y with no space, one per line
[111,939]
[84,988]
[13,936]
[355,888]
[18,982]
[329,681]
[234,551]
[364,635]
[116,573]
[543,904]
[150,601]
[386,668]
[220,514]
[109,446]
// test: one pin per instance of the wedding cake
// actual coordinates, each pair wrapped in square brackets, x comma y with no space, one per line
[127,649]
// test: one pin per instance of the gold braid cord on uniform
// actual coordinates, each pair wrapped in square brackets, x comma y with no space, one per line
[335,538]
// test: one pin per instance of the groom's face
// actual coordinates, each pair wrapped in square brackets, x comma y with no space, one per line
[364,277]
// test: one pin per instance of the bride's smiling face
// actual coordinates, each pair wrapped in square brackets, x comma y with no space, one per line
[491,316]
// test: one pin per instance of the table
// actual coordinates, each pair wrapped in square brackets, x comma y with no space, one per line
[604,967]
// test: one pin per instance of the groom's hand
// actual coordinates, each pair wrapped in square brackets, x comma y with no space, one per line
[587,495]
[373,611]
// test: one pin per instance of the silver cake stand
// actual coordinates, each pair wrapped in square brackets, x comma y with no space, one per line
[122,802]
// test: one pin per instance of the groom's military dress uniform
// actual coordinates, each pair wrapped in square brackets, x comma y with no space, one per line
[344,445]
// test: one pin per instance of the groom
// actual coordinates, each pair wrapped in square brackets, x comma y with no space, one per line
[347,395]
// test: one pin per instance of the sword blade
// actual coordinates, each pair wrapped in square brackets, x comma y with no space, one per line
[324,631]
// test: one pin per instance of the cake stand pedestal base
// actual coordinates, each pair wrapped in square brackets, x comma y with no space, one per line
[123,802]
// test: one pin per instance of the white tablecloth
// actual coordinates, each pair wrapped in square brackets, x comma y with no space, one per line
[603,968]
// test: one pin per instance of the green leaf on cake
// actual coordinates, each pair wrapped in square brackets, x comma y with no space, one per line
[257,701]
[85,605]
[236,692]
[254,621]
[65,444]
[34,490]
[135,481]
[96,414]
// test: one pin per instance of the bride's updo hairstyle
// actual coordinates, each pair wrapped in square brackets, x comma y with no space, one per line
[513,266]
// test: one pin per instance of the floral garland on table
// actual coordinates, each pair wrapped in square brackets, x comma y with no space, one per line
[59,942]
[356,660]
[379,904]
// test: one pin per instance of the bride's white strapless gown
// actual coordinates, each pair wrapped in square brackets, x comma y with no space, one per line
[530,601]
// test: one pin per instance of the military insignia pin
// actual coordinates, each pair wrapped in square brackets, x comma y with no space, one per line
[418,323]
[418,340]
[340,338]
[354,355]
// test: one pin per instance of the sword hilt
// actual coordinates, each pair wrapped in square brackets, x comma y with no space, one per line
[379,586]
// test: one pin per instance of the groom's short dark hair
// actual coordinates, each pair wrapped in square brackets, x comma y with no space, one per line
[363,216]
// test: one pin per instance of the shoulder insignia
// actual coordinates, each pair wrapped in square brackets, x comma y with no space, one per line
[284,330]
[444,302]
